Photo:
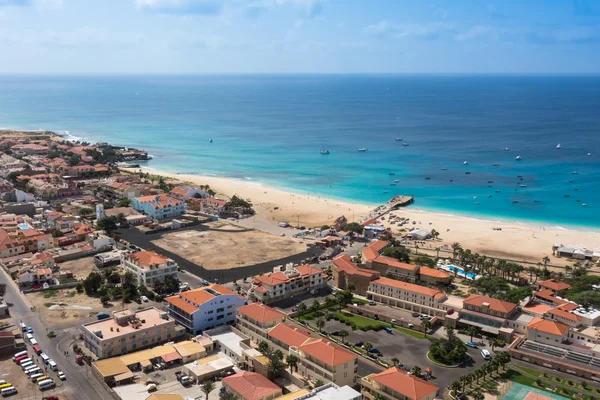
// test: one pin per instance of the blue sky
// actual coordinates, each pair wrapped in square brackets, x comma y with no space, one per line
[295,36]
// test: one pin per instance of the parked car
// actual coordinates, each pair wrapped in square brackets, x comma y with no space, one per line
[411,326]
[29,329]
[372,303]
[415,314]
[374,350]
[388,330]
[61,375]
[50,398]
[335,333]
[471,344]
[359,344]
[486,354]
[144,299]
[294,309]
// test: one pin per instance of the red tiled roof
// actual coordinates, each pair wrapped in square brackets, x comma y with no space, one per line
[329,353]
[372,251]
[434,273]
[271,279]
[564,314]
[344,264]
[392,262]
[410,287]
[495,304]
[547,326]
[555,285]
[252,386]
[408,385]
[147,258]
[159,201]
[260,312]
[182,304]
[307,270]
[290,335]
[548,295]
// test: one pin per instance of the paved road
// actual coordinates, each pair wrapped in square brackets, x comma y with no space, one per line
[80,383]
[139,239]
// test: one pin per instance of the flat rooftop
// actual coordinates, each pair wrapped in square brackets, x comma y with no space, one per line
[230,340]
[331,392]
[148,318]
[454,301]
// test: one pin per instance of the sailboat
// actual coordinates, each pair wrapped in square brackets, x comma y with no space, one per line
[324,150]
[558,146]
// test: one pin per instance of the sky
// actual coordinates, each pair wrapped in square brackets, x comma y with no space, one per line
[299,36]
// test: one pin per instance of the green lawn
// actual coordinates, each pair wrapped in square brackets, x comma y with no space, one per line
[514,375]
[361,302]
[358,322]
[415,334]
[50,293]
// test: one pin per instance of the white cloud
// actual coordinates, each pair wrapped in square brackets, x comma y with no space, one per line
[206,7]
[474,32]
[340,25]
[379,28]
[401,31]
[15,3]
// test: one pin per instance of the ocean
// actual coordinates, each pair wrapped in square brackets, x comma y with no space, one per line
[271,129]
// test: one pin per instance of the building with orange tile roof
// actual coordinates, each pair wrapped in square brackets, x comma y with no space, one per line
[255,319]
[373,250]
[397,384]
[433,276]
[275,286]
[546,331]
[320,359]
[187,192]
[486,313]
[555,286]
[159,206]
[148,266]
[204,308]
[345,272]
[564,314]
[251,386]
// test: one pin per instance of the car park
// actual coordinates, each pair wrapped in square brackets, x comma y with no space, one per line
[46,384]
[33,342]
[19,354]
[37,350]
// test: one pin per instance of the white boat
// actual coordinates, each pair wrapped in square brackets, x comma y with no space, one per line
[363,149]
[444,169]
[518,158]
[396,180]
[589,154]
[210,141]
[466,163]
[324,151]
[399,139]
[584,204]
[405,144]
[506,149]
[558,146]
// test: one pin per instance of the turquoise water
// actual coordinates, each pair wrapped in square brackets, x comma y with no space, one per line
[518,392]
[462,271]
[271,129]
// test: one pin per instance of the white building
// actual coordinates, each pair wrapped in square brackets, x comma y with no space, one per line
[328,391]
[204,308]
[149,266]
[187,192]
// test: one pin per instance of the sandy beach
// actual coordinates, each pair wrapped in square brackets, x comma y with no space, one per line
[519,241]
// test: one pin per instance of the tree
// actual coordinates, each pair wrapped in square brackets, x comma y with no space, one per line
[324,227]
[343,334]
[105,299]
[264,348]
[319,383]
[85,211]
[395,361]
[315,305]
[351,287]
[472,331]
[416,371]
[367,346]
[301,309]
[355,227]
[320,324]
[455,248]
[92,283]
[329,302]
[455,387]
[343,297]
[450,350]
[292,362]
[276,364]
[108,224]
[478,396]
[207,387]
[426,324]
[398,252]
[79,288]
[496,342]
[278,354]
[124,202]
[229,396]
[74,159]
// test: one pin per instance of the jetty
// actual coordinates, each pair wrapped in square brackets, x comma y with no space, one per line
[393,204]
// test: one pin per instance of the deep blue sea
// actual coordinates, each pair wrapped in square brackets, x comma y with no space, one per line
[271,129]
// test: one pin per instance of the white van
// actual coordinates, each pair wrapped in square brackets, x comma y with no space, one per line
[45,358]
[33,342]
[8,391]
[486,354]
[52,365]
[24,360]
[29,336]
[30,367]
[19,354]
[26,365]
[46,384]
[35,377]
[23,327]
[33,371]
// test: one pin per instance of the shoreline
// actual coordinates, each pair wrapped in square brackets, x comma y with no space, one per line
[515,240]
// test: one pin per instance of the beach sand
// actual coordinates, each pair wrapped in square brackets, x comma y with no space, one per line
[518,241]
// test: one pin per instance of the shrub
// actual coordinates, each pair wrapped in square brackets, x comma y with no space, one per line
[538,382]
[51,334]
[584,384]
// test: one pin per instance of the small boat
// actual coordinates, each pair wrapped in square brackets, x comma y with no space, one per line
[567,195]
[497,191]
[522,185]
[574,173]
[399,139]
[451,180]
[392,184]
[518,158]
[325,151]
[396,180]
[506,149]
[515,201]
[210,141]
[536,201]
[576,188]
[468,173]
[496,165]
[363,149]
[584,204]
[405,144]
[466,163]
[474,197]
[444,169]
[392,173]
[558,146]
[427,178]
[578,201]
[490,181]
[385,191]
[589,154]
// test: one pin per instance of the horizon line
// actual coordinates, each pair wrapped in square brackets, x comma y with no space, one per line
[73,74]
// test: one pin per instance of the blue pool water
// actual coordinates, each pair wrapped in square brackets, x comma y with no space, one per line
[271,129]
[462,271]
[519,392]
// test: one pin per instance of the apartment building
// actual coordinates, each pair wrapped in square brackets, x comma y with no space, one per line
[251,386]
[255,320]
[329,391]
[409,296]
[128,331]
[557,287]
[486,312]
[148,266]
[159,206]
[276,286]
[319,358]
[345,272]
[396,384]
[122,189]
[204,308]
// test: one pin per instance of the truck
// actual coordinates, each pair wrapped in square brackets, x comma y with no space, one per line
[183,378]
[102,316]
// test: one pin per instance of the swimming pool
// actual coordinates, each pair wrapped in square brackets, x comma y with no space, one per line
[519,392]
[461,272]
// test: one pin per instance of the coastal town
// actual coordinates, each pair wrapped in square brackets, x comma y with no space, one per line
[127,283]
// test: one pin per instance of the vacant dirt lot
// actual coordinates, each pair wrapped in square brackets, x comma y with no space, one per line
[226,246]
[81,267]
[62,308]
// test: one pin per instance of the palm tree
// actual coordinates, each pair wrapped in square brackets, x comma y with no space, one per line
[416,371]
[395,361]
[276,365]
[378,396]
[437,252]
[426,324]
[329,302]
[351,287]
[546,260]
[263,347]
[315,305]
[301,309]
[455,387]
[472,331]
[455,247]
[367,346]
[495,342]
[207,387]
[292,362]
[343,334]
[478,396]
[320,324]
[464,380]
